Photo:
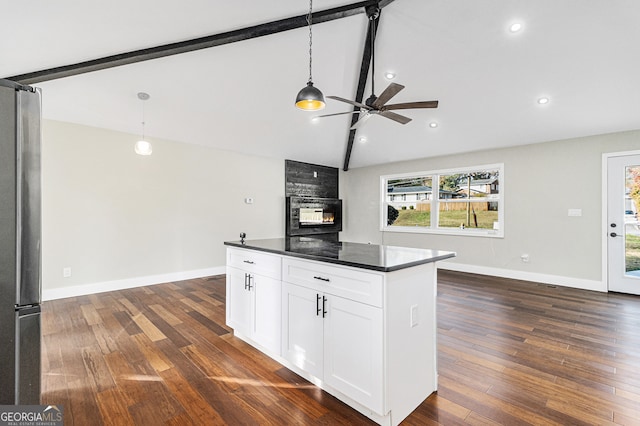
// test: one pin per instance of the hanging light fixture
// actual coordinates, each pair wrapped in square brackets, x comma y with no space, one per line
[310,98]
[143,147]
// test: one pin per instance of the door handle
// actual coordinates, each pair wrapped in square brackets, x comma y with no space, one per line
[613,234]
[613,225]
[245,281]
[250,278]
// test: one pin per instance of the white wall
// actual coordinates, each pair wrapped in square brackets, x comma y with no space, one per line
[118,219]
[541,183]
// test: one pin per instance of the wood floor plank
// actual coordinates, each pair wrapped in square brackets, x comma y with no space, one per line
[147,327]
[510,352]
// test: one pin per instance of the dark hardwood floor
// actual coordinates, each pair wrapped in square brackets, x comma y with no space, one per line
[510,353]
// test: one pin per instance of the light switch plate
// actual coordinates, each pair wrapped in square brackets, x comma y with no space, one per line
[575,212]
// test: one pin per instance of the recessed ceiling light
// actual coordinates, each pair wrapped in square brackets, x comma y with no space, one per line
[515,27]
[389,75]
[543,100]
[433,124]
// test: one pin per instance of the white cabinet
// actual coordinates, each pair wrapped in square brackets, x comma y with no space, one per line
[334,338]
[253,300]
[302,333]
[366,337]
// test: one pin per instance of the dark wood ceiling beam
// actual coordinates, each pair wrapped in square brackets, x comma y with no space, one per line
[194,44]
[362,81]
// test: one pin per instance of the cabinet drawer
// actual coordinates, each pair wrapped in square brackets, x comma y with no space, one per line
[256,262]
[351,283]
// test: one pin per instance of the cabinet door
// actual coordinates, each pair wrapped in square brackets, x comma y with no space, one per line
[353,346]
[267,324]
[239,301]
[302,327]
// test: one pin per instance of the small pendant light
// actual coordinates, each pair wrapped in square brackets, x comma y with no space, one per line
[143,147]
[310,98]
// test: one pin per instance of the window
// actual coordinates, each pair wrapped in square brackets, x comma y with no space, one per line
[464,201]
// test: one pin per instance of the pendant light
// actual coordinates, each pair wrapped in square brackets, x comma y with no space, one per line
[310,98]
[143,147]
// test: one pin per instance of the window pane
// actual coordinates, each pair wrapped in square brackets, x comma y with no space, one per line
[483,183]
[631,224]
[408,201]
[480,215]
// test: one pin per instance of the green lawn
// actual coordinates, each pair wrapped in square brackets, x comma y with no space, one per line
[448,219]
[632,253]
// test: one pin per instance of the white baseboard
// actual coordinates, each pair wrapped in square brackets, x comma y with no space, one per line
[82,290]
[526,276]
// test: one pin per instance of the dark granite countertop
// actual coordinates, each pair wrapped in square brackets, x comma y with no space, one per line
[359,255]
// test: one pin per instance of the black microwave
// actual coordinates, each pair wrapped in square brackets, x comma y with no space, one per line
[311,216]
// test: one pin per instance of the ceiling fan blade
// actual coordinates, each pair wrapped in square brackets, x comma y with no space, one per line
[410,105]
[354,103]
[391,90]
[361,121]
[395,117]
[337,113]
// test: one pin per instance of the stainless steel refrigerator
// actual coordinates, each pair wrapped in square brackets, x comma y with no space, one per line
[20,230]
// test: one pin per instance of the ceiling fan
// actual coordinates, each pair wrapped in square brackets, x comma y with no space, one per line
[377,105]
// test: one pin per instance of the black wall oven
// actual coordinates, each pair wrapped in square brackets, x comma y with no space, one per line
[313,216]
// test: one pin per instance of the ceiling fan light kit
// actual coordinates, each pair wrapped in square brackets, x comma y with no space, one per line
[310,98]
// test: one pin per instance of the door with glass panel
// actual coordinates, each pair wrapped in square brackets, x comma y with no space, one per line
[623,226]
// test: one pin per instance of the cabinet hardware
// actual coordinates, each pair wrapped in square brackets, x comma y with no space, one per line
[251,277]
[324,301]
[249,262]
[317,304]
[322,279]
[247,281]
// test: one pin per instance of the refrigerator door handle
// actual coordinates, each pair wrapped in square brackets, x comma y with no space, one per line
[28,226]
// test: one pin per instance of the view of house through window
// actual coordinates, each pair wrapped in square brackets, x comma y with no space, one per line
[632,225]
[447,201]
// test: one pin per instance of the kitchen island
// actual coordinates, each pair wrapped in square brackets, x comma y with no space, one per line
[357,320]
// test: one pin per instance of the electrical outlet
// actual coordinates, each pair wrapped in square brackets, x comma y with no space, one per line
[66,272]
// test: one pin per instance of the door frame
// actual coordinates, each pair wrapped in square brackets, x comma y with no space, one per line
[605,199]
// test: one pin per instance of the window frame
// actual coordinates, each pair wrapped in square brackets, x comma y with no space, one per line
[435,201]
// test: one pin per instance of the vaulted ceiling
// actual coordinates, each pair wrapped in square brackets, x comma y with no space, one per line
[580,54]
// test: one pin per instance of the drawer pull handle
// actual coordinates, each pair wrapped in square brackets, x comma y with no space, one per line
[324,303]
[322,279]
[249,262]
[318,310]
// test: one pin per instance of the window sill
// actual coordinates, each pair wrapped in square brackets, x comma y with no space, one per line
[467,232]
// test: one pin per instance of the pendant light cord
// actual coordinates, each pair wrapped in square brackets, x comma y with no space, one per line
[310,38]
[143,120]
